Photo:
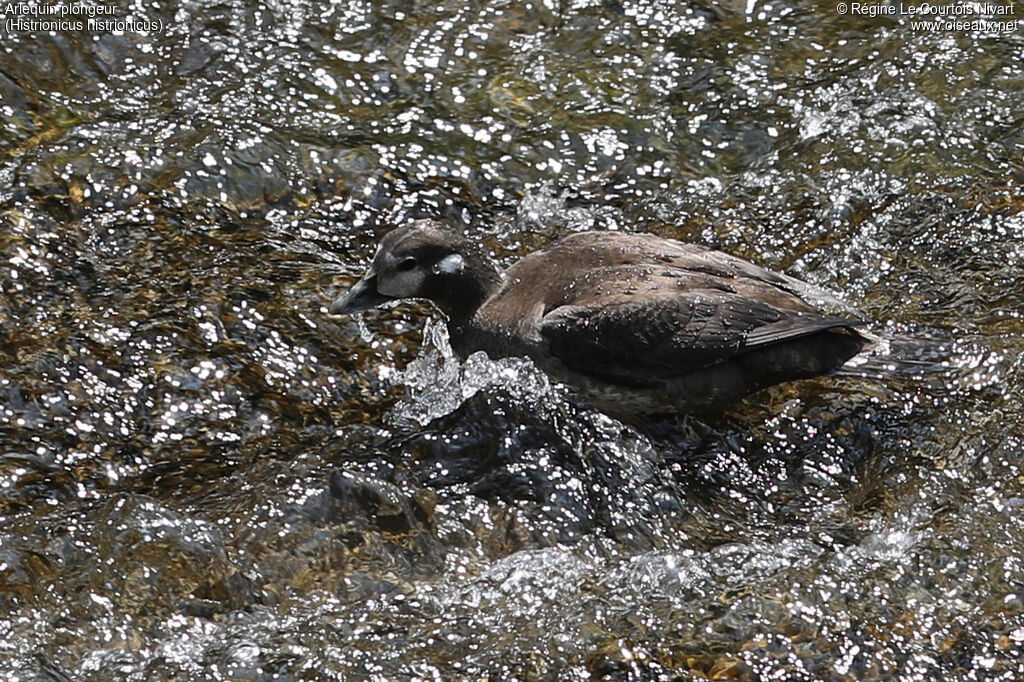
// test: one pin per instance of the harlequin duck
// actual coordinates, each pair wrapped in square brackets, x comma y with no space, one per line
[639,324]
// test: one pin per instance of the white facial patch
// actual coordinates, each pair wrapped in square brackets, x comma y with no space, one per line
[449,265]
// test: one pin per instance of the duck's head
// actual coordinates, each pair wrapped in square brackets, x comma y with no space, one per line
[429,261]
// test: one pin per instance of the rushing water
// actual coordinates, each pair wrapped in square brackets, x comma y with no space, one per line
[203,476]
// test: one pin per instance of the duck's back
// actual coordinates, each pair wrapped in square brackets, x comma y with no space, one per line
[599,265]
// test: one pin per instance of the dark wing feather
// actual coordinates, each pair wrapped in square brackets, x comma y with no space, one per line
[644,343]
[795,327]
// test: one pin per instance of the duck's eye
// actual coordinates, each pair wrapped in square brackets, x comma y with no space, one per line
[407,264]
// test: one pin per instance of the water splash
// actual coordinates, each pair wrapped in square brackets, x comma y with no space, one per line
[433,379]
[364,331]
[438,383]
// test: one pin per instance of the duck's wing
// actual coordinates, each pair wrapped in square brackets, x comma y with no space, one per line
[646,340]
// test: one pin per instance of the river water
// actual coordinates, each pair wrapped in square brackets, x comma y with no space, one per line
[205,477]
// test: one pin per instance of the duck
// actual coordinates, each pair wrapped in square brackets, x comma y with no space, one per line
[638,324]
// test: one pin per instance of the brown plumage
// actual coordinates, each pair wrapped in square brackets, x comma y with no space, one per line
[639,324]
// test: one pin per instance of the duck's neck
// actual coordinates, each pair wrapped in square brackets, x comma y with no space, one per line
[464,296]
[480,281]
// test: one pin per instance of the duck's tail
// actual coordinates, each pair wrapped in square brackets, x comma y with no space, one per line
[888,357]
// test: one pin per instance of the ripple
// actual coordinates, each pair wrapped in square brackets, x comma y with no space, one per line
[203,471]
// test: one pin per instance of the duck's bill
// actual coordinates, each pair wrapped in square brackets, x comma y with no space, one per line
[362,296]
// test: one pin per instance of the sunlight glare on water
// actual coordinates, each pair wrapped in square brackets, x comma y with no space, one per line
[205,476]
